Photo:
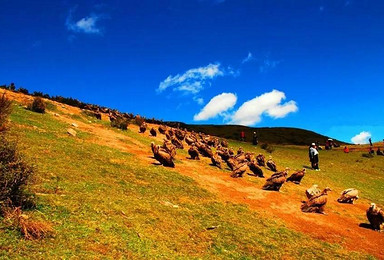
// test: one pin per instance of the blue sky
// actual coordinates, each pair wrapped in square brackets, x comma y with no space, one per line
[316,65]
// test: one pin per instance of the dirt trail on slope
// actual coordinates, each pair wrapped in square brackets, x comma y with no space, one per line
[340,225]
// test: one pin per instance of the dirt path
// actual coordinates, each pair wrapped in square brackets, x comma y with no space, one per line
[340,225]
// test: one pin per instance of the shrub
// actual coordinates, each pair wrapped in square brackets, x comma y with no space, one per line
[90,113]
[15,173]
[367,155]
[38,105]
[23,90]
[120,123]
[268,148]
[12,86]
[5,111]
[37,94]
[30,229]
[139,120]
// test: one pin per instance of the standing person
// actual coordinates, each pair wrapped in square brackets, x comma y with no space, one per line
[242,136]
[327,145]
[370,141]
[314,157]
[255,139]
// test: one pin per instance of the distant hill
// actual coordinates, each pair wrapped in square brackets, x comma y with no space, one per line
[273,135]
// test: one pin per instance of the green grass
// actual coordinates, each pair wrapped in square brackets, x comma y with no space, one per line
[107,203]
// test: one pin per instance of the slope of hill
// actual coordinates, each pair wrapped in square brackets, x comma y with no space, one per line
[271,135]
[108,198]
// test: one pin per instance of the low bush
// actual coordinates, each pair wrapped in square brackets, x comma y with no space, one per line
[30,229]
[267,147]
[367,155]
[15,174]
[5,111]
[38,105]
[139,120]
[120,123]
[23,90]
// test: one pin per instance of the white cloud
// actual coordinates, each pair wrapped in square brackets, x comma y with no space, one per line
[280,111]
[268,103]
[192,81]
[361,138]
[198,100]
[84,25]
[217,105]
[248,58]
[268,64]
[87,25]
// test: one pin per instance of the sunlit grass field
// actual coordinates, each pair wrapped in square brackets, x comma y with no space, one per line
[106,203]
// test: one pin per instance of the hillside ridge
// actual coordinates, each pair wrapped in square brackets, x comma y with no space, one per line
[134,177]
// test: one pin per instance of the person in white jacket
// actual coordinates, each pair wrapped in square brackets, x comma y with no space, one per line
[314,157]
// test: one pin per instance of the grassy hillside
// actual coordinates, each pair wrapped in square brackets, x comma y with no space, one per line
[271,135]
[107,199]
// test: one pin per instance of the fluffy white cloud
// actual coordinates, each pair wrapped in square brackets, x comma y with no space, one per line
[280,111]
[361,138]
[248,58]
[85,24]
[268,103]
[217,105]
[193,80]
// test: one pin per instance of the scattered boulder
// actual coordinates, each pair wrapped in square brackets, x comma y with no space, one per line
[71,132]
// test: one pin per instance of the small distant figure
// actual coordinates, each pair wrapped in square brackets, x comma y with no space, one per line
[327,146]
[370,141]
[346,149]
[314,157]
[255,140]
[379,152]
[242,136]
[371,151]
